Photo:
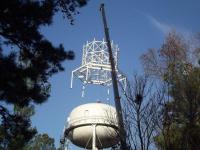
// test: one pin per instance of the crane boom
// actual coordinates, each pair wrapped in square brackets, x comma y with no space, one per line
[122,131]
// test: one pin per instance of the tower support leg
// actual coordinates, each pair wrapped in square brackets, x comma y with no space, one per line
[94,137]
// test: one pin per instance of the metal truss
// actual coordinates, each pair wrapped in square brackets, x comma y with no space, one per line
[95,67]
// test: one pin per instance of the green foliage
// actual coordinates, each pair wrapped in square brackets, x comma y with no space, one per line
[68,7]
[15,130]
[181,121]
[41,142]
[25,112]
[170,139]
[27,70]
[27,61]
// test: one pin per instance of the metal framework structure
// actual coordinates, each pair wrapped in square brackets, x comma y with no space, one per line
[95,67]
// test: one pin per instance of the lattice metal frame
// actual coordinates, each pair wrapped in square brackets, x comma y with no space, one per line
[95,67]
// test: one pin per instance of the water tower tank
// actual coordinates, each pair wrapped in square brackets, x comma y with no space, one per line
[89,119]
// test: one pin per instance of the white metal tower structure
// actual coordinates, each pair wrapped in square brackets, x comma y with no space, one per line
[95,67]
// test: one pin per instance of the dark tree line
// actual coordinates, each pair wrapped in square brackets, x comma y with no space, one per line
[27,61]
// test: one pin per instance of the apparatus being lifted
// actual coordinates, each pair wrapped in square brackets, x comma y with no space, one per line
[95,67]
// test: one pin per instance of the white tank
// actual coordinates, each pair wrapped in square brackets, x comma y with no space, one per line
[81,124]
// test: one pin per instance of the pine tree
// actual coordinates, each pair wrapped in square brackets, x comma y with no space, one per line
[27,61]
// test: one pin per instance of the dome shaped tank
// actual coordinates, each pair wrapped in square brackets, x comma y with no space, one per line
[93,121]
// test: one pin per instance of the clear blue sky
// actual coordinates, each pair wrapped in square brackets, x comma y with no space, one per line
[134,25]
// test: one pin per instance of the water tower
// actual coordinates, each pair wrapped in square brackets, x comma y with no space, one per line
[94,125]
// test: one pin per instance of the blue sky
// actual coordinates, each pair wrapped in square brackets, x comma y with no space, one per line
[134,25]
